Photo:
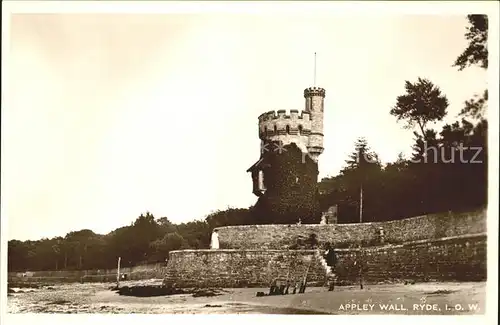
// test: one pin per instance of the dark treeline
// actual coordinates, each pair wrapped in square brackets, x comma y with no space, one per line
[448,167]
[446,172]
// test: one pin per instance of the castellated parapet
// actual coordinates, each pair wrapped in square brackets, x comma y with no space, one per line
[287,128]
[304,128]
[314,91]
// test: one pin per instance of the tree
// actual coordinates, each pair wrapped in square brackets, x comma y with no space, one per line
[425,148]
[195,233]
[363,164]
[476,107]
[423,103]
[291,188]
[119,242]
[165,224]
[362,158]
[77,243]
[143,231]
[363,169]
[56,247]
[170,242]
[465,173]
[396,195]
[477,50]
[18,255]
[400,165]
[476,53]
[473,133]
[229,217]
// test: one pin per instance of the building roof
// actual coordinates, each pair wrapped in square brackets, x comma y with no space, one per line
[259,165]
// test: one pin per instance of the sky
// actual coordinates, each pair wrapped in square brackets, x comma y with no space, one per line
[107,116]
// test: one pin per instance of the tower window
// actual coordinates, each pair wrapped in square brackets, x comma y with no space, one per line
[275,129]
[300,129]
[288,129]
[260,181]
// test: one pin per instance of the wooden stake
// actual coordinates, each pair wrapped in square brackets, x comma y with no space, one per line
[118,273]
[360,267]
[361,204]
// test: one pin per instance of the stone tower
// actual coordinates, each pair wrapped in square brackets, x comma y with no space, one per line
[304,129]
[315,99]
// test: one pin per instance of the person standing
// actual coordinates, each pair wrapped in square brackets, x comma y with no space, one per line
[331,261]
[214,243]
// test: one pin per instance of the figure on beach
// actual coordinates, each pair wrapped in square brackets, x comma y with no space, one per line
[331,261]
[214,243]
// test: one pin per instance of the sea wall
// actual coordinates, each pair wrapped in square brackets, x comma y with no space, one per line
[342,235]
[434,247]
[140,272]
[241,268]
[461,258]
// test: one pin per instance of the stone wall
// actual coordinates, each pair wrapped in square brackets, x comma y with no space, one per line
[241,268]
[140,272]
[456,258]
[460,258]
[435,247]
[396,232]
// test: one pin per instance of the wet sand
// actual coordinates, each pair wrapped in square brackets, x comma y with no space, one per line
[396,299]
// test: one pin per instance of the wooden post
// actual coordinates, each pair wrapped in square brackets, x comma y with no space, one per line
[360,279]
[361,161]
[304,282]
[361,204]
[288,278]
[118,273]
[360,267]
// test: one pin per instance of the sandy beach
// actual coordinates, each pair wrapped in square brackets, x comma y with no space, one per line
[416,299]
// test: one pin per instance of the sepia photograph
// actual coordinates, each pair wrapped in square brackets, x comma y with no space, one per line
[284,162]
